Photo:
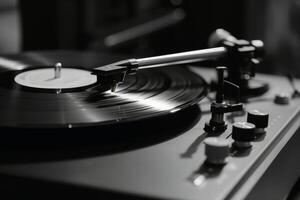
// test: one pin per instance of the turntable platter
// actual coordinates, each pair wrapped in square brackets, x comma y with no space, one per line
[149,93]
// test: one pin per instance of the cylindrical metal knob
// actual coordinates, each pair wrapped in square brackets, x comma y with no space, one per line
[243,133]
[282,99]
[216,150]
[259,119]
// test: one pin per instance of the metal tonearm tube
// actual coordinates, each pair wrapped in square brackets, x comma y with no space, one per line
[115,73]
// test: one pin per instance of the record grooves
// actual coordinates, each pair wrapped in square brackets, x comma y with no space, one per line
[149,93]
[35,145]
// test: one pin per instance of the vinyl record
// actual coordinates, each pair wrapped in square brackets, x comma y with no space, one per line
[149,93]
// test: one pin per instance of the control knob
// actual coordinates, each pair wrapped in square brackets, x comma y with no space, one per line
[216,150]
[260,120]
[243,134]
[282,99]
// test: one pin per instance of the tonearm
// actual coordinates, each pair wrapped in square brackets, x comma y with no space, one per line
[239,56]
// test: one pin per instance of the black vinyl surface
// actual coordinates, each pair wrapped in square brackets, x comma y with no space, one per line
[149,93]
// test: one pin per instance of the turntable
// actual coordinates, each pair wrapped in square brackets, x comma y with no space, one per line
[148,128]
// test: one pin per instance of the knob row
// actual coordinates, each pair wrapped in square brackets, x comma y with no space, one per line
[217,149]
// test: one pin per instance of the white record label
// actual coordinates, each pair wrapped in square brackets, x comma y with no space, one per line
[44,78]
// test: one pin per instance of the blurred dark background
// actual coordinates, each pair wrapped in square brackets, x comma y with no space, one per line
[145,28]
